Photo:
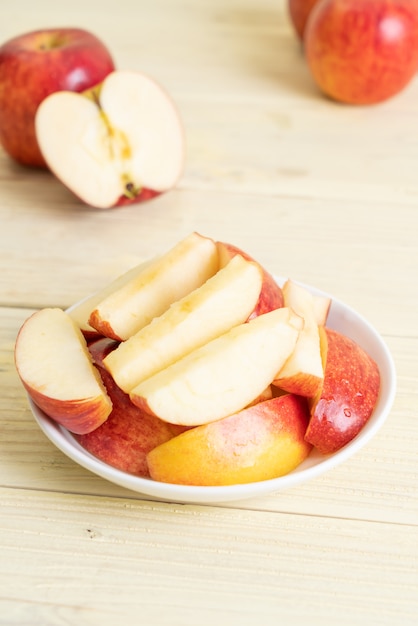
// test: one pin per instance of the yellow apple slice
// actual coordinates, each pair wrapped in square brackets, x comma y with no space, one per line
[149,294]
[224,375]
[56,369]
[223,301]
[262,442]
[111,145]
[303,372]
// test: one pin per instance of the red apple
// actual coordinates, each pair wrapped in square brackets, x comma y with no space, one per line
[36,64]
[348,395]
[118,143]
[299,11]
[362,52]
[129,433]
[271,296]
[259,443]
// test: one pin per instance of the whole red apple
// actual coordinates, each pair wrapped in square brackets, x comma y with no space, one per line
[299,11]
[36,64]
[362,51]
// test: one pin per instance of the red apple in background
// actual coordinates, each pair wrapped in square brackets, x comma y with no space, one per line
[348,395]
[118,143]
[362,51]
[299,11]
[36,64]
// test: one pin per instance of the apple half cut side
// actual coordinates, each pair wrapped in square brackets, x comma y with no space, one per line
[119,143]
[222,302]
[224,375]
[57,371]
[148,294]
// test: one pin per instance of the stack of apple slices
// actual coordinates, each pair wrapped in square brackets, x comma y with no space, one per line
[198,368]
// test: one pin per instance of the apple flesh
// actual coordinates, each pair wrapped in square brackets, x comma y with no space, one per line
[34,65]
[262,442]
[147,295]
[303,371]
[299,11]
[128,434]
[119,143]
[348,396]
[222,302]
[56,369]
[362,52]
[80,312]
[223,376]
[271,296]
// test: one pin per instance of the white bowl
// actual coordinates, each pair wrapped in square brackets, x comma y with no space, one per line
[341,318]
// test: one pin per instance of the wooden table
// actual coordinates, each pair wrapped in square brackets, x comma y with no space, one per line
[324,193]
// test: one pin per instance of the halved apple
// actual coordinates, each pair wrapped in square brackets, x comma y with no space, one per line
[222,302]
[118,143]
[149,294]
[262,442]
[224,375]
[303,372]
[56,369]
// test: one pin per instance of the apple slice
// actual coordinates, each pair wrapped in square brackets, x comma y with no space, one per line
[224,375]
[149,294]
[322,307]
[348,395]
[56,369]
[80,312]
[222,302]
[262,442]
[128,434]
[271,296]
[118,143]
[303,372]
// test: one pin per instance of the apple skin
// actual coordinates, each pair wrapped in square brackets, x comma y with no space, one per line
[348,395]
[362,52]
[36,64]
[128,434]
[271,296]
[299,11]
[262,442]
